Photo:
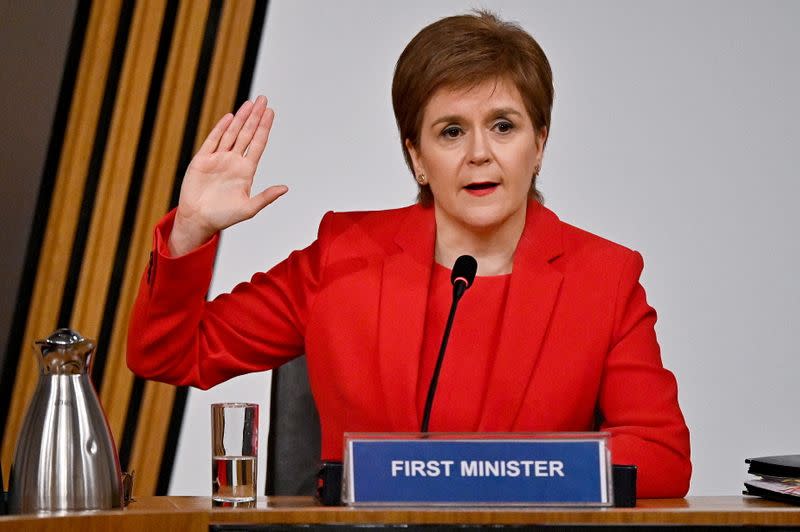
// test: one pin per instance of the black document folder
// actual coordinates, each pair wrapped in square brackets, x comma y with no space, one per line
[780,478]
[786,466]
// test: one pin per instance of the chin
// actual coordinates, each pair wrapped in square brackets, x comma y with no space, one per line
[483,215]
[486,218]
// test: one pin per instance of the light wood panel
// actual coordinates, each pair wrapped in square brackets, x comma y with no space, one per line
[65,208]
[115,176]
[112,194]
[226,65]
[156,193]
[221,90]
[108,205]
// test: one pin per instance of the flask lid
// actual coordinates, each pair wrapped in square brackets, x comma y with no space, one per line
[63,337]
[65,352]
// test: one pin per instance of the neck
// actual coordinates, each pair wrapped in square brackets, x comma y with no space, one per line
[493,246]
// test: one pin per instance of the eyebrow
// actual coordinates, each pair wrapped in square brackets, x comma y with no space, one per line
[500,111]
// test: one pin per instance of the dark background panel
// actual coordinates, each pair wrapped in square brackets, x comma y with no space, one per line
[34,40]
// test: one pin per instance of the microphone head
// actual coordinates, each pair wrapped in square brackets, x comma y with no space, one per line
[464,270]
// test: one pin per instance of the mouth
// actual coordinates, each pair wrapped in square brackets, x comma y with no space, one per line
[482,188]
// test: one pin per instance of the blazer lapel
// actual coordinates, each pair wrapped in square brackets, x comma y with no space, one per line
[532,295]
[404,297]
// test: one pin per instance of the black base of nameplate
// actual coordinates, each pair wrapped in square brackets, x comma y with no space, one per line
[329,484]
[624,485]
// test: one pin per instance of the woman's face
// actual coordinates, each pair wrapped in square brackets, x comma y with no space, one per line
[478,151]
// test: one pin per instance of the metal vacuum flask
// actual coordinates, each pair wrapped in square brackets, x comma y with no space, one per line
[65,458]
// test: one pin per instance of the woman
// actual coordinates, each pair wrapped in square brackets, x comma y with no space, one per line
[554,335]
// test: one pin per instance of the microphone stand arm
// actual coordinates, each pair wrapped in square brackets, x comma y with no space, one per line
[458,290]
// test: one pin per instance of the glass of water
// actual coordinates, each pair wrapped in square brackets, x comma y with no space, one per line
[234,453]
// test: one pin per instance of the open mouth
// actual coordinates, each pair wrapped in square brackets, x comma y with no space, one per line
[481,186]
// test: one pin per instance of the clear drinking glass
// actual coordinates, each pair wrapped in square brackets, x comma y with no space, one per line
[234,452]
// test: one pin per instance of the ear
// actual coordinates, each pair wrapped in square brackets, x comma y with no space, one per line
[416,160]
[541,140]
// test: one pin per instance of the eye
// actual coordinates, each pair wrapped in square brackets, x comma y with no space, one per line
[451,132]
[504,126]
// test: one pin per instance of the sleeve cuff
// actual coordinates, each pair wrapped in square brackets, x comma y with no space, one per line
[193,269]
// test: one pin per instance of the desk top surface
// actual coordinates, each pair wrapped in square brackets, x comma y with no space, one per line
[198,512]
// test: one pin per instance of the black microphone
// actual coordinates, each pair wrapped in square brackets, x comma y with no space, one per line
[463,275]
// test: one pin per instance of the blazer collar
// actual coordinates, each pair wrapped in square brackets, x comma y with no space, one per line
[532,295]
[404,295]
[403,305]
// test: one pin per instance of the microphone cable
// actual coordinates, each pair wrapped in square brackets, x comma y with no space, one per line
[462,277]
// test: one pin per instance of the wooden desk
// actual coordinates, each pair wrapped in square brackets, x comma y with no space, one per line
[151,514]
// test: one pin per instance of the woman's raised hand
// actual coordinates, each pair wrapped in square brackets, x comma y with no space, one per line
[216,190]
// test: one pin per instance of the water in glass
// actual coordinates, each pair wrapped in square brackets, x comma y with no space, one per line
[233,478]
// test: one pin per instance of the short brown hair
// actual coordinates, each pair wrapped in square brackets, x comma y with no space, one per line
[461,52]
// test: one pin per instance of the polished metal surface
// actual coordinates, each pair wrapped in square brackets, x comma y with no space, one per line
[65,457]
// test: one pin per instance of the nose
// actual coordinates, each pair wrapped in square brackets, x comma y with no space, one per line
[479,152]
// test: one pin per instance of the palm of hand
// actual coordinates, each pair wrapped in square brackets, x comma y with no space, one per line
[217,188]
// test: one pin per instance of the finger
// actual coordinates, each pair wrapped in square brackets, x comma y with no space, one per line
[249,128]
[261,136]
[212,140]
[264,198]
[239,119]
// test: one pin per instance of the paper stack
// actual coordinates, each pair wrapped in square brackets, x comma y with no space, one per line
[779,478]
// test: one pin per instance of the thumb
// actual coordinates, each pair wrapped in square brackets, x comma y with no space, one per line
[264,198]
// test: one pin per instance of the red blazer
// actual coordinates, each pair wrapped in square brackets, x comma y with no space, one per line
[578,349]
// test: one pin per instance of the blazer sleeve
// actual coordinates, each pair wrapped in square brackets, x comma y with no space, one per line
[638,399]
[176,336]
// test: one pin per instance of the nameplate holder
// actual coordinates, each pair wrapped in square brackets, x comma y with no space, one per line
[490,469]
